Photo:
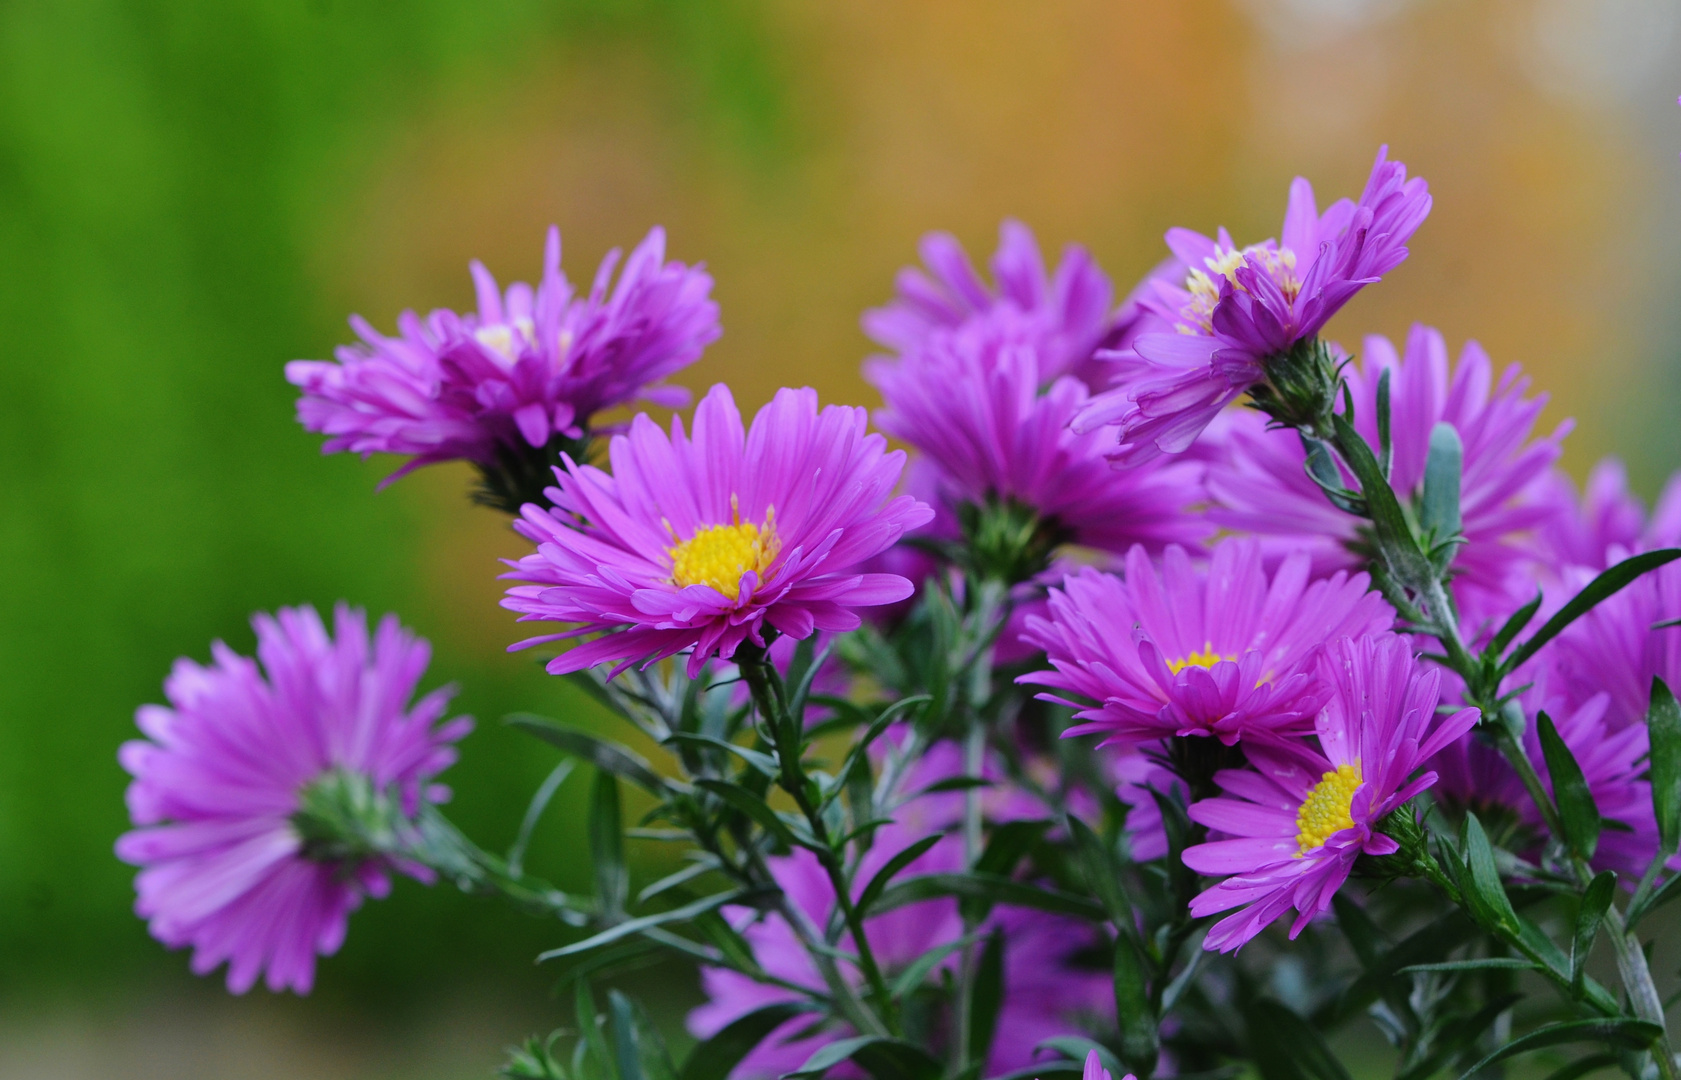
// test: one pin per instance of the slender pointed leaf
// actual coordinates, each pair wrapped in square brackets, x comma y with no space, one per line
[1632,1034]
[919,969]
[754,807]
[872,892]
[1103,872]
[986,997]
[633,926]
[1596,899]
[995,890]
[534,812]
[607,847]
[622,1023]
[1663,723]
[1438,512]
[1609,583]
[763,764]
[1286,1046]
[1140,1035]
[884,1059]
[715,1058]
[1576,810]
[1483,963]
[1385,446]
[1488,895]
[1394,535]
[597,751]
[1514,625]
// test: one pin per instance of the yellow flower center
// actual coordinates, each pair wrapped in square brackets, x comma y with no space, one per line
[1325,811]
[1205,659]
[506,339]
[719,555]
[1278,262]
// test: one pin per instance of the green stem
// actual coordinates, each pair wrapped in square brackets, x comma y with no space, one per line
[768,697]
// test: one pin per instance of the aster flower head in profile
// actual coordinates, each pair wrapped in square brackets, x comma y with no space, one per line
[698,543]
[507,386]
[1227,651]
[226,775]
[1305,810]
[1247,320]
[970,401]
[1067,314]
[1258,482]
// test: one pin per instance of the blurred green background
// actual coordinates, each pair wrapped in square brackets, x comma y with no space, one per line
[194,192]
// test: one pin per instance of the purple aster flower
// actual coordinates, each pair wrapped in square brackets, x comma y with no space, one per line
[222,773]
[529,366]
[1241,311]
[1606,518]
[970,401]
[700,543]
[1047,993]
[1260,484]
[1067,314]
[1227,651]
[1307,809]
[1617,648]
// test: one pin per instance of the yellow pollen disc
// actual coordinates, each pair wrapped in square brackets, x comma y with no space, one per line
[1205,659]
[1198,312]
[1325,811]
[719,555]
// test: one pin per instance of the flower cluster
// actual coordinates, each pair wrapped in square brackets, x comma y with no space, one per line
[970,747]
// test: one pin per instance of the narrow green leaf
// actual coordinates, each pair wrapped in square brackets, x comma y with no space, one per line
[1584,1065]
[986,997]
[1395,539]
[1488,896]
[1576,810]
[1596,899]
[607,847]
[622,1023]
[1007,844]
[633,926]
[728,941]
[1457,1037]
[1669,890]
[1486,963]
[1632,1034]
[1103,872]
[1140,1036]
[714,1058]
[1285,1045]
[995,890]
[1663,723]
[590,1034]
[1606,584]
[1322,470]
[919,969]
[1514,626]
[884,1059]
[754,807]
[872,892]
[955,783]
[704,864]
[1385,447]
[605,755]
[1438,513]
[763,764]
[534,813]
[1362,933]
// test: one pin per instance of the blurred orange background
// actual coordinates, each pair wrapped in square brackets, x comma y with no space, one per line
[192,194]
